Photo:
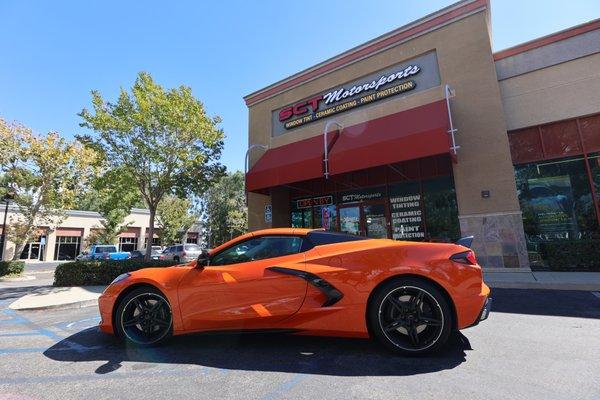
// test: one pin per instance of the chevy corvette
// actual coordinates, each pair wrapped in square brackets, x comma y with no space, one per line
[407,295]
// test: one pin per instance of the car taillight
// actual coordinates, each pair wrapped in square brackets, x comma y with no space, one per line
[183,254]
[161,257]
[106,256]
[465,257]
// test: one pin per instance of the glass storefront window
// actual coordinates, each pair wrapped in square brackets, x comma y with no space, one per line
[350,220]
[556,200]
[406,208]
[302,218]
[594,163]
[325,217]
[66,247]
[441,209]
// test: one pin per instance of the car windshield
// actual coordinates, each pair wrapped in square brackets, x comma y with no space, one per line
[192,247]
[106,249]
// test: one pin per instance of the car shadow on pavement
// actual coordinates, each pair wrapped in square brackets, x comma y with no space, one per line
[261,352]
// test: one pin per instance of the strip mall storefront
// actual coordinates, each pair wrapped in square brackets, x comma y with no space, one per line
[425,134]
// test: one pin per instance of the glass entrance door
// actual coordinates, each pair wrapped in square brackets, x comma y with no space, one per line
[375,221]
[367,219]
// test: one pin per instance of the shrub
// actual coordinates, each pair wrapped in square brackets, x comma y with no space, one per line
[572,255]
[84,273]
[11,267]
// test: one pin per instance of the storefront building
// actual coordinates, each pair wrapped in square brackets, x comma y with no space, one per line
[426,134]
[70,237]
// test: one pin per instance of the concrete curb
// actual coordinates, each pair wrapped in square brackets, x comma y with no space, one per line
[18,278]
[59,298]
[587,287]
[66,306]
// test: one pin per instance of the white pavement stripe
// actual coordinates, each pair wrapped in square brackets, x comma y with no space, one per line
[597,294]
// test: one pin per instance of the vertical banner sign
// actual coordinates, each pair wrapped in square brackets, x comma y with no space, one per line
[268,213]
[551,200]
[406,205]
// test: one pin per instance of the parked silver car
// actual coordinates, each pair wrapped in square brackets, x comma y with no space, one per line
[181,252]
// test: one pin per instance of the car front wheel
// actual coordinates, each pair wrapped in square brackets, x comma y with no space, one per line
[144,317]
[410,316]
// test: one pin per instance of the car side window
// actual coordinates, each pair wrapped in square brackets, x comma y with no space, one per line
[258,248]
[179,249]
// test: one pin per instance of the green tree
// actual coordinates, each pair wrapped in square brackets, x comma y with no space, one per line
[225,214]
[115,194]
[44,173]
[174,219]
[162,138]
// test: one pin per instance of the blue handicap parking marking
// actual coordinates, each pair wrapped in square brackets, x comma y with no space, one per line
[21,320]
[79,324]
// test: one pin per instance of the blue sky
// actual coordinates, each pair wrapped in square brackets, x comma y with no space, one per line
[52,53]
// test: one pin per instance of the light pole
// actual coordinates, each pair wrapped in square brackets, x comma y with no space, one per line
[6,198]
[326,145]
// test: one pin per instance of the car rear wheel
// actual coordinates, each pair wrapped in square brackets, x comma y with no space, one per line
[176,258]
[144,317]
[410,316]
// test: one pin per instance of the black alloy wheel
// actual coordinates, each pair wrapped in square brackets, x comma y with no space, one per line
[144,317]
[410,317]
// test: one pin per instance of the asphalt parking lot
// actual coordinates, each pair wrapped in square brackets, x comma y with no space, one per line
[537,344]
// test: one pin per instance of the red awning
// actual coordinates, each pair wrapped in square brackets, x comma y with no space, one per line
[407,135]
[286,164]
[415,133]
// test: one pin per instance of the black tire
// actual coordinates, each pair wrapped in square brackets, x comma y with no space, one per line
[176,258]
[410,316]
[144,317]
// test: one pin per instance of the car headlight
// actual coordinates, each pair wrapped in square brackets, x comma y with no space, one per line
[121,277]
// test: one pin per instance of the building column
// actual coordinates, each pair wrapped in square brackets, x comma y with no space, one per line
[140,245]
[499,239]
[256,210]
[280,200]
[50,244]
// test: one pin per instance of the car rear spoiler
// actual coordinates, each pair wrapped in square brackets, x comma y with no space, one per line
[466,241]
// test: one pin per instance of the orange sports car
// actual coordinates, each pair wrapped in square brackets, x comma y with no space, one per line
[408,295]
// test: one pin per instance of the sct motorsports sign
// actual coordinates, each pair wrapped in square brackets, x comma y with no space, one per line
[417,74]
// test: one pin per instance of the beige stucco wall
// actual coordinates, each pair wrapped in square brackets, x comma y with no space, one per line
[465,62]
[567,90]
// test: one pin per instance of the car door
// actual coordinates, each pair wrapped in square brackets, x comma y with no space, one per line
[238,291]
[167,255]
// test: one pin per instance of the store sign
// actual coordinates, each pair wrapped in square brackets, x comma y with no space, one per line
[356,196]
[406,206]
[417,74]
[314,201]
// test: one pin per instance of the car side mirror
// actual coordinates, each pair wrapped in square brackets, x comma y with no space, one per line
[203,259]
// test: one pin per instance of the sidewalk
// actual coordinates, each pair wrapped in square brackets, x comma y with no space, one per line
[588,281]
[59,298]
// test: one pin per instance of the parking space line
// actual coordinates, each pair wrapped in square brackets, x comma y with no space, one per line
[33,333]
[597,294]
[25,350]
[285,387]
